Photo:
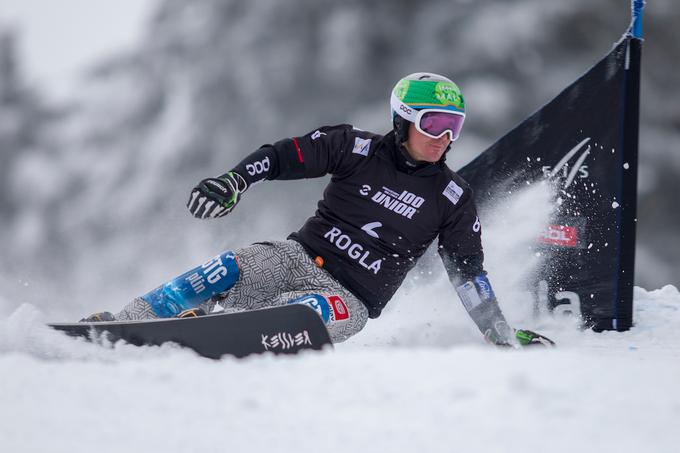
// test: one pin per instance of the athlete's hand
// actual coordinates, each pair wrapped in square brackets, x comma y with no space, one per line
[529,338]
[216,197]
[516,338]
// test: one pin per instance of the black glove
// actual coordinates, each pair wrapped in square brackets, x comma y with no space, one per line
[216,197]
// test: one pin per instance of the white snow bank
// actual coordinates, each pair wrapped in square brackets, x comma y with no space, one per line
[595,392]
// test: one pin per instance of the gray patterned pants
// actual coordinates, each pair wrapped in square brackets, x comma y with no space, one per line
[278,273]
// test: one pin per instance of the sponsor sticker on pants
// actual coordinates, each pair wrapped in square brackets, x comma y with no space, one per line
[339,308]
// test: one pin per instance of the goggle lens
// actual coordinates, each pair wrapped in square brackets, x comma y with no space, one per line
[435,124]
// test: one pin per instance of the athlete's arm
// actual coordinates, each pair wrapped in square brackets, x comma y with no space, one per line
[315,154]
[460,247]
[475,292]
[318,153]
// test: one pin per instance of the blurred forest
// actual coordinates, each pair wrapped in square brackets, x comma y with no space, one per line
[93,190]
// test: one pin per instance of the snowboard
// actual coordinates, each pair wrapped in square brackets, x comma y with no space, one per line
[281,330]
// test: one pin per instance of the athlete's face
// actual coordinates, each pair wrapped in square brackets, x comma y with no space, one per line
[424,148]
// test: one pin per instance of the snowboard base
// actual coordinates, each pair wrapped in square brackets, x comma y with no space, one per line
[281,330]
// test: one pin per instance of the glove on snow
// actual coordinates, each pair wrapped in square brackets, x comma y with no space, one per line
[529,338]
[216,197]
[522,338]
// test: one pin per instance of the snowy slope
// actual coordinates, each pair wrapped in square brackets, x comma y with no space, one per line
[596,392]
[420,377]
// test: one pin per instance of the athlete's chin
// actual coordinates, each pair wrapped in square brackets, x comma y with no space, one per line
[434,154]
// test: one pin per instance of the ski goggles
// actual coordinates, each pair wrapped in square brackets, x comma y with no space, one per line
[431,122]
[435,123]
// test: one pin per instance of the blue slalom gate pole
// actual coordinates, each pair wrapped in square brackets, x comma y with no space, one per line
[637,7]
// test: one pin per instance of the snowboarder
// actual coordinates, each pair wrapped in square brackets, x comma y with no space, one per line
[388,199]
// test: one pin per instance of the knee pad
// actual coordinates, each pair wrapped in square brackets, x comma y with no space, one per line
[330,308]
[195,286]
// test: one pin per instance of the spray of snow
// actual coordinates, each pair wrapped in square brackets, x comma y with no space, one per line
[512,225]
[426,312]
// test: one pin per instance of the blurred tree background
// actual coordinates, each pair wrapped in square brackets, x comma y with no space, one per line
[93,190]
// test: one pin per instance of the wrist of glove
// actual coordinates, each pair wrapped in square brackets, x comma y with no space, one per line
[516,338]
[216,197]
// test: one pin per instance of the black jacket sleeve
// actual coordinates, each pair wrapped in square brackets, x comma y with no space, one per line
[460,240]
[460,247]
[323,151]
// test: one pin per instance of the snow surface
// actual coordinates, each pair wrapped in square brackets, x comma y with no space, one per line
[422,387]
[418,378]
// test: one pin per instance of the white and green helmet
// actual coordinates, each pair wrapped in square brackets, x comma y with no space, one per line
[422,92]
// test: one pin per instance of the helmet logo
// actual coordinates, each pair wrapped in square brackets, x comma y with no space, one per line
[405,109]
[401,88]
[449,95]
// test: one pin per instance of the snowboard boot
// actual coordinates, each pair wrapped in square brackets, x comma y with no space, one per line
[104,316]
